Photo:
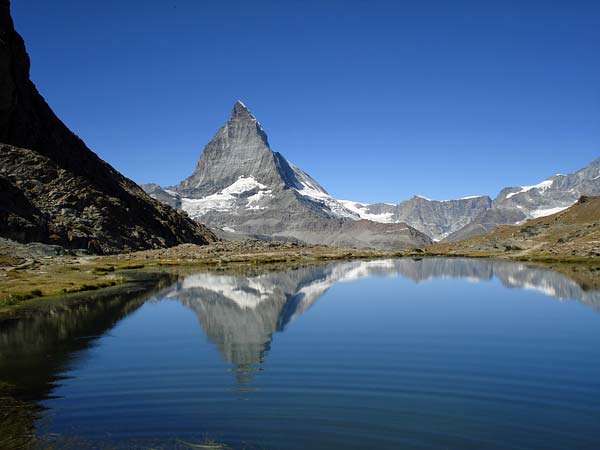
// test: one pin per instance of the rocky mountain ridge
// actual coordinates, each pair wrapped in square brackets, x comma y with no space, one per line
[436,218]
[515,205]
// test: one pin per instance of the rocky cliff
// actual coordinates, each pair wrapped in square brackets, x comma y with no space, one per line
[55,189]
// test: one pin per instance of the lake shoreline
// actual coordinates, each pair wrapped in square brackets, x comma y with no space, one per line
[31,284]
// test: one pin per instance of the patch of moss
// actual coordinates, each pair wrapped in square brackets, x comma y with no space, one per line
[131,266]
[104,269]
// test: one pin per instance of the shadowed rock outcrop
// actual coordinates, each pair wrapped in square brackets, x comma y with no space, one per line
[55,189]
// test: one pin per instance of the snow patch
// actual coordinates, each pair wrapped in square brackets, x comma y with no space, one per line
[216,202]
[451,200]
[546,212]
[305,188]
[243,184]
[360,209]
[254,200]
[540,187]
[228,199]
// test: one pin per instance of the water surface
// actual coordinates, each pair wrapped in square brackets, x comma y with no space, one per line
[432,353]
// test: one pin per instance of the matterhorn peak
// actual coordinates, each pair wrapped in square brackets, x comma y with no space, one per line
[243,119]
[241,111]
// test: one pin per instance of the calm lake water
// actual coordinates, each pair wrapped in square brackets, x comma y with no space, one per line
[433,353]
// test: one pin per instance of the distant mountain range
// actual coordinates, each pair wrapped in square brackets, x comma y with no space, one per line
[244,188]
[54,189]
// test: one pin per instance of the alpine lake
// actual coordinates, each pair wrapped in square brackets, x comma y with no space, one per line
[432,353]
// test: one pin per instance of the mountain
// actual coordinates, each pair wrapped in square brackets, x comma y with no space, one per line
[487,221]
[243,187]
[553,194]
[55,189]
[240,185]
[454,220]
[573,232]
[517,204]
[436,218]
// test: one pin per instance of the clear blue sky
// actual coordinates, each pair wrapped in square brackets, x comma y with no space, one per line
[378,100]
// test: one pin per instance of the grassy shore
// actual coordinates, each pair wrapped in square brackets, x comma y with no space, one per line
[24,281]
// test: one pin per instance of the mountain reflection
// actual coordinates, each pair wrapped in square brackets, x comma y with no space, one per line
[240,314]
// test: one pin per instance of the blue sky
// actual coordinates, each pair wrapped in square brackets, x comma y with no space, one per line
[377,100]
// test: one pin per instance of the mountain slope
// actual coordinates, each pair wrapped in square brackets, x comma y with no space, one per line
[553,194]
[516,204]
[58,191]
[241,185]
[573,232]
[487,221]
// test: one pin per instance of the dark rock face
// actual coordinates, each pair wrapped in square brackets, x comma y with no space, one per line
[240,185]
[20,219]
[47,203]
[59,191]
